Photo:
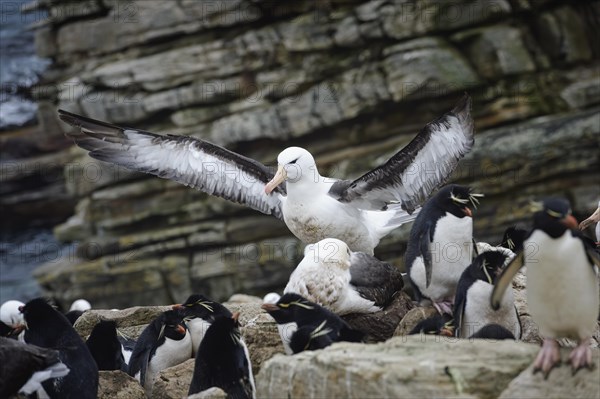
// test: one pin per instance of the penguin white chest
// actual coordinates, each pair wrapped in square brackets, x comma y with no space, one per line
[451,252]
[562,287]
[286,330]
[478,311]
[169,354]
[197,328]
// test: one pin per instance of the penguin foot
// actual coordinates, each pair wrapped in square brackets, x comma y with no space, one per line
[547,358]
[581,356]
[444,307]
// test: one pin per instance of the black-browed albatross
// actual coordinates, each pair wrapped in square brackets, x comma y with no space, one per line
[359,212]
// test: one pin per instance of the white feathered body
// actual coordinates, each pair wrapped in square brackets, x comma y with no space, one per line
[169,354]
[451,253]
[478,311]
[324,277]
[562,287]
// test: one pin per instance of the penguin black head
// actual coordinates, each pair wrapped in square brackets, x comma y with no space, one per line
[554,217]
[223,360]
[38,311]
[513,238]
[457,200]
[488,265]
[311,338]
[287,307]
[226,325]
[73,315]
[105,347]
[435,325]
[493,331]
[198,305]
[173,325]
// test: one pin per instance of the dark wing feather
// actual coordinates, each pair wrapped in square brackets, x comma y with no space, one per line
[418,169]
[187,160]
[426,239]
[460,300]
[145,346]
[373,279]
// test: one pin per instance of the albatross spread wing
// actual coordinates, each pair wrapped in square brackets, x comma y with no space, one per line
[419,168]
[187,160]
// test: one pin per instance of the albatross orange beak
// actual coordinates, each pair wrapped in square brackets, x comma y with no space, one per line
[279,178]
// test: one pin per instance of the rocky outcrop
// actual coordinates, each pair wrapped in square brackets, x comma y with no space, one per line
[420,366]
[351,80]
[119,385]
[403,366]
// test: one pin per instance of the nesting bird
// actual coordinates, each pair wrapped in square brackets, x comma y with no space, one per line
[342,281]
[472,310]
[562,285]
[292,312]
[199,312]
[223,360]
[440,246]
[48,328]
[164,343]
[359,212]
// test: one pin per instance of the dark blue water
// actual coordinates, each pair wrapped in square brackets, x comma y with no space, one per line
[20,68]
[20,253]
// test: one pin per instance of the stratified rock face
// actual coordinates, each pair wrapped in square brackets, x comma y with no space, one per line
[352,81]
[420,367]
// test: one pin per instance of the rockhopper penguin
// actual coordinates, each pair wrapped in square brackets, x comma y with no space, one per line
[562,285]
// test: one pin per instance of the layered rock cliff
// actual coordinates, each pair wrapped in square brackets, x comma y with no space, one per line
[350,80]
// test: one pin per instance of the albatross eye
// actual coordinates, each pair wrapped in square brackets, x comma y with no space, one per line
[294,161]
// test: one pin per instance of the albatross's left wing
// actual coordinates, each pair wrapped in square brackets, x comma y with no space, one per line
[187,160]
[414,172]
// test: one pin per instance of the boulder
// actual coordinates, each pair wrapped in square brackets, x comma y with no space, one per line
[119,385]
[411,366]
[561,382]
[210,393]
[131,322]
[174,382]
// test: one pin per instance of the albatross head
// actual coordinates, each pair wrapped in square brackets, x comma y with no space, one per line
[331,251]
[295,163]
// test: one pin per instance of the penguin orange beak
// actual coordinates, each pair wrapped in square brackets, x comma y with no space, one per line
[177,307]
[180,329]
[467,211]
[279,178]
[570,222]
[269,307]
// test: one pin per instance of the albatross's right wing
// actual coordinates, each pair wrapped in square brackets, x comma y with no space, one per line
[414,172]
[187,160]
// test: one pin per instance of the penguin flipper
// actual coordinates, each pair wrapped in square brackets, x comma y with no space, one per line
[426,254]
[139,363]
[505,279]
[460,302]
